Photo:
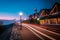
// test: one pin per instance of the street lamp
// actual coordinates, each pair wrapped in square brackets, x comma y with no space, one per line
[20,20]
[20,13]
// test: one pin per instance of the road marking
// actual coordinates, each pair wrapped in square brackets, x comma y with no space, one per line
[45,30]
[48,30]
[36,34]
[40,32]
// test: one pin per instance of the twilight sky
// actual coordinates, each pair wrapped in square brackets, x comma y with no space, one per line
[9,9]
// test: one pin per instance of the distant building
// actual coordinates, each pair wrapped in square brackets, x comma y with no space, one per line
[34,16]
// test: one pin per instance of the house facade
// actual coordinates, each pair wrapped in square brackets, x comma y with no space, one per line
[43,16]
[51,16]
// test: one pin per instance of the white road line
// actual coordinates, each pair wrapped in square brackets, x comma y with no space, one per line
[48,30]
[41,33]
[36,34]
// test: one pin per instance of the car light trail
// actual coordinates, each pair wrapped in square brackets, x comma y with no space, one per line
[40,32]
[47,30]
[35,33]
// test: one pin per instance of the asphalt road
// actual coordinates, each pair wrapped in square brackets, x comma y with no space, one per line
[42,33]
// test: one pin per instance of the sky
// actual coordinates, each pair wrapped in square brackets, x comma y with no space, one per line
[10,9]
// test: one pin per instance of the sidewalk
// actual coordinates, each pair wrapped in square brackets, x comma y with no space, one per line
[27,34]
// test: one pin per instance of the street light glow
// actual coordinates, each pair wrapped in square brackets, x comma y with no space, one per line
[38,18]
[20,13]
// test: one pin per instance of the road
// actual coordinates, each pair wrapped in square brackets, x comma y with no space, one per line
[42,33]
[30,32]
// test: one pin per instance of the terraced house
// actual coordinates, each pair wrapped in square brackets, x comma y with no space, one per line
[50,16]
[43,16]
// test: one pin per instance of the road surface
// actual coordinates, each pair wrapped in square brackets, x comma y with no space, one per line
[42,33]
[30,32]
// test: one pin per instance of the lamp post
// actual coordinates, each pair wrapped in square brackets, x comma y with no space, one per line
[20,20]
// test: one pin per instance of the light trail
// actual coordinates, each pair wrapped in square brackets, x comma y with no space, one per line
[35,34]
[47,30]
[40,32]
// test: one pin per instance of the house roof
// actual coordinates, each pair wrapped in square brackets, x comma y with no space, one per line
[46,10]
[57,15]
[56,3]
